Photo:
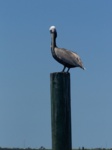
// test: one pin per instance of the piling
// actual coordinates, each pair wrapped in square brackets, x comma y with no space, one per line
[60,111]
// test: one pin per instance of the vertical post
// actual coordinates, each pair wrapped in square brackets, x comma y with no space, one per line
[60,111]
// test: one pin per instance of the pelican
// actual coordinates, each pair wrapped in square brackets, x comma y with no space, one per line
[67,58]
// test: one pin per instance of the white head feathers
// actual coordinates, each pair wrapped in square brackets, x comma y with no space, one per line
[52,28]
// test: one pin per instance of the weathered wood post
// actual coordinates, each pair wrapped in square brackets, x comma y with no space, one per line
[60,111]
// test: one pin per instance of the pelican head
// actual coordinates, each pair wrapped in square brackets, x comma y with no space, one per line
[52,29]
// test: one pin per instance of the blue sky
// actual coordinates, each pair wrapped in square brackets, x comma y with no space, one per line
[84,27]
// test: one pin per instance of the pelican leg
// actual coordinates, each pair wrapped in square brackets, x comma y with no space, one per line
[63,69]
[68,70]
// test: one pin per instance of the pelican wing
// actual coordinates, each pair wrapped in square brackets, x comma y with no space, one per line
[68,57]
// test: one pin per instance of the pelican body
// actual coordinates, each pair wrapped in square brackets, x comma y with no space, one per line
[65,57]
